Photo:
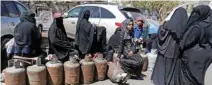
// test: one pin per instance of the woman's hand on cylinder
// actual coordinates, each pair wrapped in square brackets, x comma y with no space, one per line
[130,53]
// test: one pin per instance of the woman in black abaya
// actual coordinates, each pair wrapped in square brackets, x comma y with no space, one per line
[196,47]
[84,33]
[168,41]
[58,40]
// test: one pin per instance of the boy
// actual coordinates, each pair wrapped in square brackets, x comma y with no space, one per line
[138,33]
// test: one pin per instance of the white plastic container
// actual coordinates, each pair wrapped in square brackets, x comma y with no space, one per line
[152,58]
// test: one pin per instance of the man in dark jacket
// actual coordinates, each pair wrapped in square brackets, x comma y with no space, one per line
[27,36]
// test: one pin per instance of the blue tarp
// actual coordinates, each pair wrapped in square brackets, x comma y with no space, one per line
[152,29]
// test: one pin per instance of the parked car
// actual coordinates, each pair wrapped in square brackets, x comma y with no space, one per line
[10,17]
[108,15]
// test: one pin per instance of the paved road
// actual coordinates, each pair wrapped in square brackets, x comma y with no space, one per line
[146,81]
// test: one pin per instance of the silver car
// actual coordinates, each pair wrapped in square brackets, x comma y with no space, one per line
[10,17]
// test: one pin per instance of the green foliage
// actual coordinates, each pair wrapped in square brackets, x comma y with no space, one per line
[164,7]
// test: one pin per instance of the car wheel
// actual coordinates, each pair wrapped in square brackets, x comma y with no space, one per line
[4,53]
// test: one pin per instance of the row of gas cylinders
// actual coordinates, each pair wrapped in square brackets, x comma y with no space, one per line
[56,73]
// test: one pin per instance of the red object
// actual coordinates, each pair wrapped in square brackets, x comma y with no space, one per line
[118,24]
[57,14]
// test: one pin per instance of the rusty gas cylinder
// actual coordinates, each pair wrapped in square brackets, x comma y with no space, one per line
[87,66]
[115,58]
[145,64]
[101,67]
[15,75]
[37,73]
[55,71]
[72,71]
[116,74]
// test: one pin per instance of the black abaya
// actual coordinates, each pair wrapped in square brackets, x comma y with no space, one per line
[196,48]
[168,48]
[113,44]
[58,40]
[84,33]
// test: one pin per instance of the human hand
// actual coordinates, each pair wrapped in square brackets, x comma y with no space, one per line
[89,55]
[130,53]
[139,41]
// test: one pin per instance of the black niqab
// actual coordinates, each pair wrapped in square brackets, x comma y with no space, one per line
[59,23]
[198,13]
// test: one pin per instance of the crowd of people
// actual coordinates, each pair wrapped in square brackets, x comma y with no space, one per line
[184,48]
[184,44]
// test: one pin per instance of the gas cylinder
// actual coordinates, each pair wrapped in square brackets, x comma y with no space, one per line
[15,75]
[55,71]
[101,67]
[37,73]
[152,58]
[116,74]
[87,66]
[145,64]
[72,71]
[115,58]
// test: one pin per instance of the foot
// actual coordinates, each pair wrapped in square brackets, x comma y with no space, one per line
[125,77]
[140,78]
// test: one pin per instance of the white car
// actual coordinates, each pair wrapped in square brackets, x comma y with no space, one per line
[109,16]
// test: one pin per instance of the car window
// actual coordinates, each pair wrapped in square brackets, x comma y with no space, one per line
[125,14]
[132,15]
[94,11]
[3,10]
[13,12]
[106,14]
[21,8]
[74,12]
